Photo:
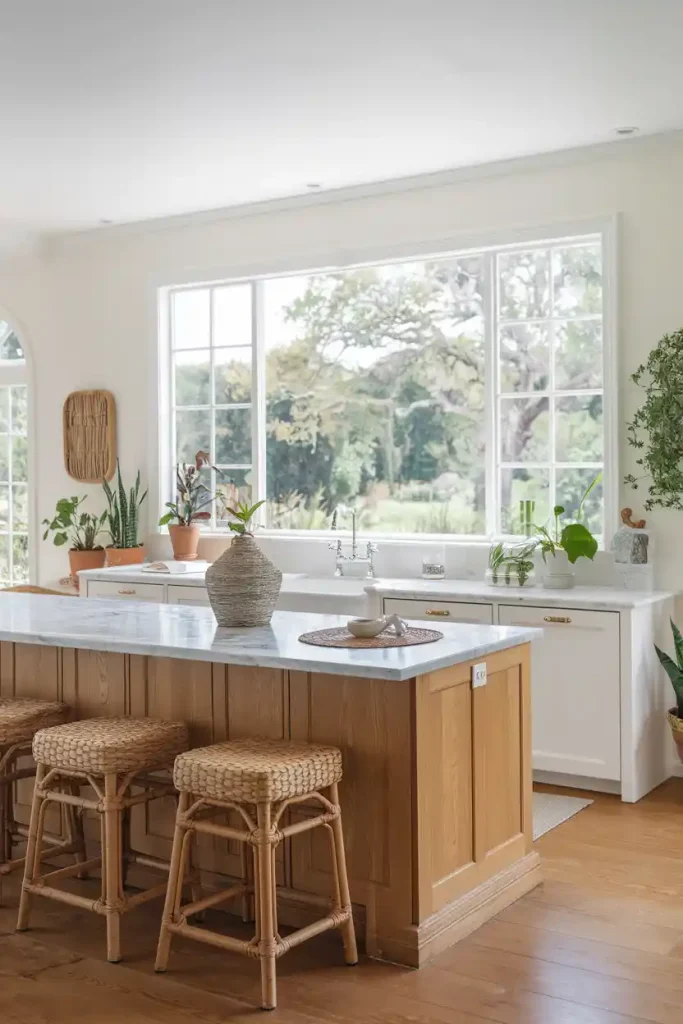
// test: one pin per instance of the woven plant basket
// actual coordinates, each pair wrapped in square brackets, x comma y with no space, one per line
[243,585]
[676,724]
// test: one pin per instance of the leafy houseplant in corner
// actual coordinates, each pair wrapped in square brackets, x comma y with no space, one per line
[80,530]
[123,522]
[564,545]
[243,584]
[189,508]
[674,670]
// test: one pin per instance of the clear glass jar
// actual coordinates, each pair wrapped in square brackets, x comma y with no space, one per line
[434,563]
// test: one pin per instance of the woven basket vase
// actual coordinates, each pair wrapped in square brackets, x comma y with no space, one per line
[243,585]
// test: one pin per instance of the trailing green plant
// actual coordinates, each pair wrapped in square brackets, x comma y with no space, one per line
[511,562]
[674,669]
[193,494]
[79,530]
[123,514]
[243,514]
[655,430]
[573,538]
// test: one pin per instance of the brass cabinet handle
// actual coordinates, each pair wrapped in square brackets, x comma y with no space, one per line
[556,618]
[438,611]
[124,591]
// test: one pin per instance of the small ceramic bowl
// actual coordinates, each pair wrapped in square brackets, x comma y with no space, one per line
[373,627]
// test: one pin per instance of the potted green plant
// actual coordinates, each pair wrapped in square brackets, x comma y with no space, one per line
[563,543]
[189,508]
[674,670]
[80,531]
[511,565]
[243,584]
[123,522]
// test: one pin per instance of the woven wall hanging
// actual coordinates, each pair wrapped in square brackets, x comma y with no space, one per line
[90,436]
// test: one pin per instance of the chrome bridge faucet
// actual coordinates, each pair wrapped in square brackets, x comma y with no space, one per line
[354,558]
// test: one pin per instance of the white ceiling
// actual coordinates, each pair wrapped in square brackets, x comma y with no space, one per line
[134,109]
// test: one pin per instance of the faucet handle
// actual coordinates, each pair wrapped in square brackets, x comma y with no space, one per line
[372,547]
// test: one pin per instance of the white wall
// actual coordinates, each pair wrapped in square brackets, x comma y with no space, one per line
[86,302]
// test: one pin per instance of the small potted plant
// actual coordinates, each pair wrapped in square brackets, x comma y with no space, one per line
[189,508]
[80,530]
[674,670]
[123,522]
[511,565]
[563,544]
[243,584]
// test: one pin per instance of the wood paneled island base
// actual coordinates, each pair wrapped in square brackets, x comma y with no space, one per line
[436,793]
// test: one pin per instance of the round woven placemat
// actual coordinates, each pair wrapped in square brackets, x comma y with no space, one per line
[340,637]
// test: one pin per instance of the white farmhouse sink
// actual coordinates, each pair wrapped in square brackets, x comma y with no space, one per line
[336,595]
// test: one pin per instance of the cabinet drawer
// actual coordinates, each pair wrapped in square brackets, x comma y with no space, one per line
[129,591]
[439,611]
[575,689]
[188,595]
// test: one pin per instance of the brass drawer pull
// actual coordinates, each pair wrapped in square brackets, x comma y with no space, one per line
[556,618]
[124,591]
[438,611]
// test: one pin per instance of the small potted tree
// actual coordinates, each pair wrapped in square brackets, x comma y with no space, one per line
[80,530]
[189,509]
[674,670]
[123,522]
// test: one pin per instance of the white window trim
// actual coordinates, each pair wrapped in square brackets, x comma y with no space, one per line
[321,262]
[13,372]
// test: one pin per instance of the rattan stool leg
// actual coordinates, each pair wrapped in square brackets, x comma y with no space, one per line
[347,928]
[175,886]
[32,860]
[267,924]
[5,838]
[111,873]
[75,830]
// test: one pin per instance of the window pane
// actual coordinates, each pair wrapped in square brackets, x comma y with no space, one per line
[20,559]
[232,315]
[234,486]
[233,436]
[19,409]
[570,487]
[4,409]
[4,558]
[4,506]
[4,458]
[10,346]
[577,279]
[578,355]
[524,284]
[578,429]
[524,430]
[523,485]
[193,432]
[19,459]
[524,358]
[19,507]
[192,378]
[375,397]
[191,318]
[232,374]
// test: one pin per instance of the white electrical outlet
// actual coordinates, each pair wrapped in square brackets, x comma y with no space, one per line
[479,674]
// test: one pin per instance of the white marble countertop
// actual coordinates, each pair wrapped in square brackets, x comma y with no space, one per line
[191,633]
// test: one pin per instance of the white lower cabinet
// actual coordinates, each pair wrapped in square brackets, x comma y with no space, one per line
[440,611]
[187,595]
[575,689]
[125,590]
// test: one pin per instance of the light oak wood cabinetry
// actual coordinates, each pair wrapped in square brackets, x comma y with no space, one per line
[436,791]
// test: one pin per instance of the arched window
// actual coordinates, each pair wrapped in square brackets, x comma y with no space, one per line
[14,463]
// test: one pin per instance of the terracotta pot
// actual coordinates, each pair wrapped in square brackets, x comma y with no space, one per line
[243,584]
[93,559]
[125,556]
[676,724]
[185,541]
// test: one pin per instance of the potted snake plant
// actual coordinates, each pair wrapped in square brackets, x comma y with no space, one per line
[189,509]
[80,530]
[123,522]
[674,670]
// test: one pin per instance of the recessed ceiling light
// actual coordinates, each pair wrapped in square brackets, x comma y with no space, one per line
[313,186]
[628,129]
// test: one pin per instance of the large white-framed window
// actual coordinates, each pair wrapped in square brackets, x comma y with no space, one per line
[430,393]
[14,460]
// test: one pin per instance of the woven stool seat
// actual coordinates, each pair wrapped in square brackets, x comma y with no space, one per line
[20,719]
[257,770]
[102,746]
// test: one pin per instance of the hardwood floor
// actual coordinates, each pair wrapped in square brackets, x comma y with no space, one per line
[600,942]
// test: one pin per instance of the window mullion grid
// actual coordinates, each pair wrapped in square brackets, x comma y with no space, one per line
[552,474]
[212,403]
[258,406]
[10,477]
[491,402]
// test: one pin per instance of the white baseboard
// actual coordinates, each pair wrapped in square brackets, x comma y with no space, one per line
[677,770]
[578,782]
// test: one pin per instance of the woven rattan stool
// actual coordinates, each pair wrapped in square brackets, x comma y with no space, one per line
[110,755]
[20,719]
[259,779]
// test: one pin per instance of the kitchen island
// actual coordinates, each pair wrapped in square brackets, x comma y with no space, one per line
[436,791]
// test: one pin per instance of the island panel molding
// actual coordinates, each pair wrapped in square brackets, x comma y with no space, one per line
[436,788]
[89,425]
